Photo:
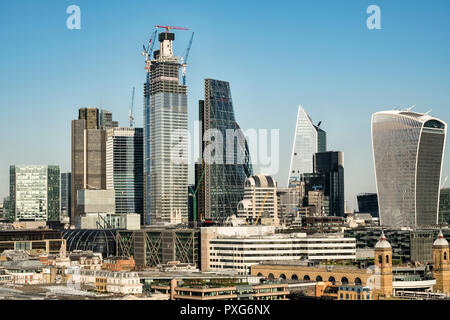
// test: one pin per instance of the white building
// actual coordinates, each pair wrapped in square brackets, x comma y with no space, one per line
[260,200]
[237,248]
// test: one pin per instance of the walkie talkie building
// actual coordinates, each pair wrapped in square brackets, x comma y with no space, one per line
[408,149]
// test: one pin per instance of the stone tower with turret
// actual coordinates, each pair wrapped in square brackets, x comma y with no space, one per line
[383,262]
[441,264]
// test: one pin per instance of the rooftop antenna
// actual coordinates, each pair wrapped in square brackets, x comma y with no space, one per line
[130,113]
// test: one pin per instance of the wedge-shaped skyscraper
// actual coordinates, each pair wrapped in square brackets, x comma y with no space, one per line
[408,149]
[308,140]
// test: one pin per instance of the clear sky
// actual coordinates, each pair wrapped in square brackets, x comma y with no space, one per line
[275,54]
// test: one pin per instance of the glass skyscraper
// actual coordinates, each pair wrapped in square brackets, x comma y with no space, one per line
[165,138]
[34,193]
[408,149]
[308,140]
[124,169]
[222,185]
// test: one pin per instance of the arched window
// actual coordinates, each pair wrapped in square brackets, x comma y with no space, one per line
[318,278]
[271,276]
[283,276]
[445,255]
[387,258]
[380,259]
[306,277]
[259,274]
[344,280]
[332,280]
[294,277]
[358,281]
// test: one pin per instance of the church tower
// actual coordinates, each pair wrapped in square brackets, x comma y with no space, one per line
[441,264]
[383,260]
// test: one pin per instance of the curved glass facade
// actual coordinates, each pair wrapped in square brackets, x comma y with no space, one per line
[222,186]
[408,152]
[101,240]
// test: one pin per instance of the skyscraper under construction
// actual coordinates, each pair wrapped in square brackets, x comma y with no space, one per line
[165,137]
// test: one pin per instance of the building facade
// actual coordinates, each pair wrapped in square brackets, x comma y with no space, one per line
[165,137]
[223,170]
[408,149]
[88,155]
[308,140]
[66,194]
[124,169]
[34,193]
[444,206]
[368,203]
[260,200]
[330,166]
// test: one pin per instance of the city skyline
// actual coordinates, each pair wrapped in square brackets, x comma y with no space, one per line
[380,74]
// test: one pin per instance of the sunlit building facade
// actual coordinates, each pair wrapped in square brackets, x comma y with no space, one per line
[222,173]
[308,140]
[408,149]
[34,193]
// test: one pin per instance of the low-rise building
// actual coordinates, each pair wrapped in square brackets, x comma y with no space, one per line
[118,282]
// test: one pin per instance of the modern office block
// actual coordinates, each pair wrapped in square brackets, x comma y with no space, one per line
[34,193]
[220,176]
[308,140]
[408,150]
[124,169]
[106,120]
[165,138]
[330,165]
[368,203]
[66,195]
[444,206]
[260,200]
[88,155]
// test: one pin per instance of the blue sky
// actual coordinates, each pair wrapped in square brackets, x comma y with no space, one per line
[276,55]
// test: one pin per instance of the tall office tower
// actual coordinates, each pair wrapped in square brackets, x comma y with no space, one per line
[165,137]
[106,121]
[308,140]
[34,193]
[88,155]
[224,171]
[330,165]
[125,168]
[66,194]
[368,203]
[408,149]
[444,206]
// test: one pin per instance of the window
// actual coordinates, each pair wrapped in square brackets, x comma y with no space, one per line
[387,258]
[380,259]
[445,255]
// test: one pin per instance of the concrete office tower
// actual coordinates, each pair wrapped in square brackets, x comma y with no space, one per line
[260,203]
[222,185]
[330,167]
[165,138]
[88,155]
[124,169]
[408,149]
[106,121]
[34,193]
[66,195]
[308,140]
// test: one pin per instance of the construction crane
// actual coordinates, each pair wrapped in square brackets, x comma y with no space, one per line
[185,58]
[262,208]
[168,28]
[131,110]
[147,53]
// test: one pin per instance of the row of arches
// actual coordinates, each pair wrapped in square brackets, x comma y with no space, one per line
[343,280]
